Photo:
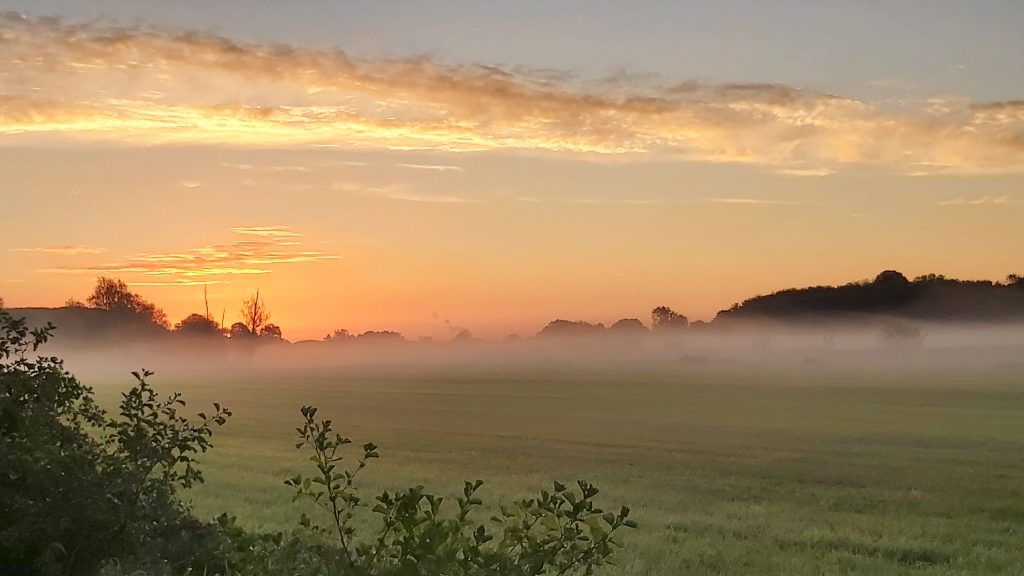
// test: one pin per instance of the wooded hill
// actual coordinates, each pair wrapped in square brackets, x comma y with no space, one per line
[931,297]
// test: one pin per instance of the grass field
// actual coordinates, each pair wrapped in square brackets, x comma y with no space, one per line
[730,471]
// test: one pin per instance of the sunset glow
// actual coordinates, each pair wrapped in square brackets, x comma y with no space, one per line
[368,188]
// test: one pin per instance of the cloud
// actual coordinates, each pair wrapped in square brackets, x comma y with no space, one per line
[266,231]
[258,251]
[64,249]
[806,172]
[181,282]
[136,85]
[981,200]
[266,168]
[754,201]
[590,201]
[401,193]
[433,167]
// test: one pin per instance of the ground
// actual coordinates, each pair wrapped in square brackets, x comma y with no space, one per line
[731,470]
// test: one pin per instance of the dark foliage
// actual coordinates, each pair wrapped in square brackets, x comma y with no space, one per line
[197,325]
[114,296]
[563,328]
[81,488]
[929,297]
[664,318]
[628,327]
[560,532]
[382,336]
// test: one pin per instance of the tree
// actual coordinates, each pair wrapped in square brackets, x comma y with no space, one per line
[113,295]
[893,277]
[271,331]
[74,303]
[197,325]
[665,318]
[571,328]
[239,330]
[380,336]
[254,314]
[1015,280]
[628,326]
[339,335]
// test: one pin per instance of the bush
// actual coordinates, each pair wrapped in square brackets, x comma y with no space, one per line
[80,488]
[559,532]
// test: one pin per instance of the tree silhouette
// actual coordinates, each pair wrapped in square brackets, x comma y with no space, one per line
[929,296]
[272,331]
[254,314]
[197,325]
[239,330]
[339,335]
[571,328]
[665,318]
[113,295]
[628,326]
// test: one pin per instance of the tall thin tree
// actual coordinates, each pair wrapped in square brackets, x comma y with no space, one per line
[254,314]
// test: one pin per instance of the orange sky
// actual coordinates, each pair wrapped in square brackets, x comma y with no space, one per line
[425,197]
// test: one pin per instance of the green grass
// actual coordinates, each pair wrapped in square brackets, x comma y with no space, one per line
[729,471]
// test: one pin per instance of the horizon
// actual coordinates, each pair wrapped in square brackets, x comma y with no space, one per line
[388,167]
[864,312]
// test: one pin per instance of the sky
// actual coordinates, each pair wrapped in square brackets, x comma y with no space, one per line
[430,167]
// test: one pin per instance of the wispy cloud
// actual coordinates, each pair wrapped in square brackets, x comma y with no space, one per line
[1003,200]
[591,201]
[259,249]
[433,167]
[754,201]
[266,168]
[64,81]
[182,282]
[403,194]
[807,172]
[64,249]
[266,231]
[429,198]
[351,163]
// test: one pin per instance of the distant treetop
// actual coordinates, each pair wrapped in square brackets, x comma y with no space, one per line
[114,296]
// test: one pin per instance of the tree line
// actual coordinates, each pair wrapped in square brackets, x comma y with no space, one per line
[114,310]
[890,293]
[122,306]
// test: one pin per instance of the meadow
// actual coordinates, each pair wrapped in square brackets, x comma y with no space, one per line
[729,470]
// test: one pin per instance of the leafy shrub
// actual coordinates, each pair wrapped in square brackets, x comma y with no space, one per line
[78,487]
[559,532]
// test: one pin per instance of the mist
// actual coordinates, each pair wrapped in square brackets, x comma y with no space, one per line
[883,344]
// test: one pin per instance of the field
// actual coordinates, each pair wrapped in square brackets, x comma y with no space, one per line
[728,471]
